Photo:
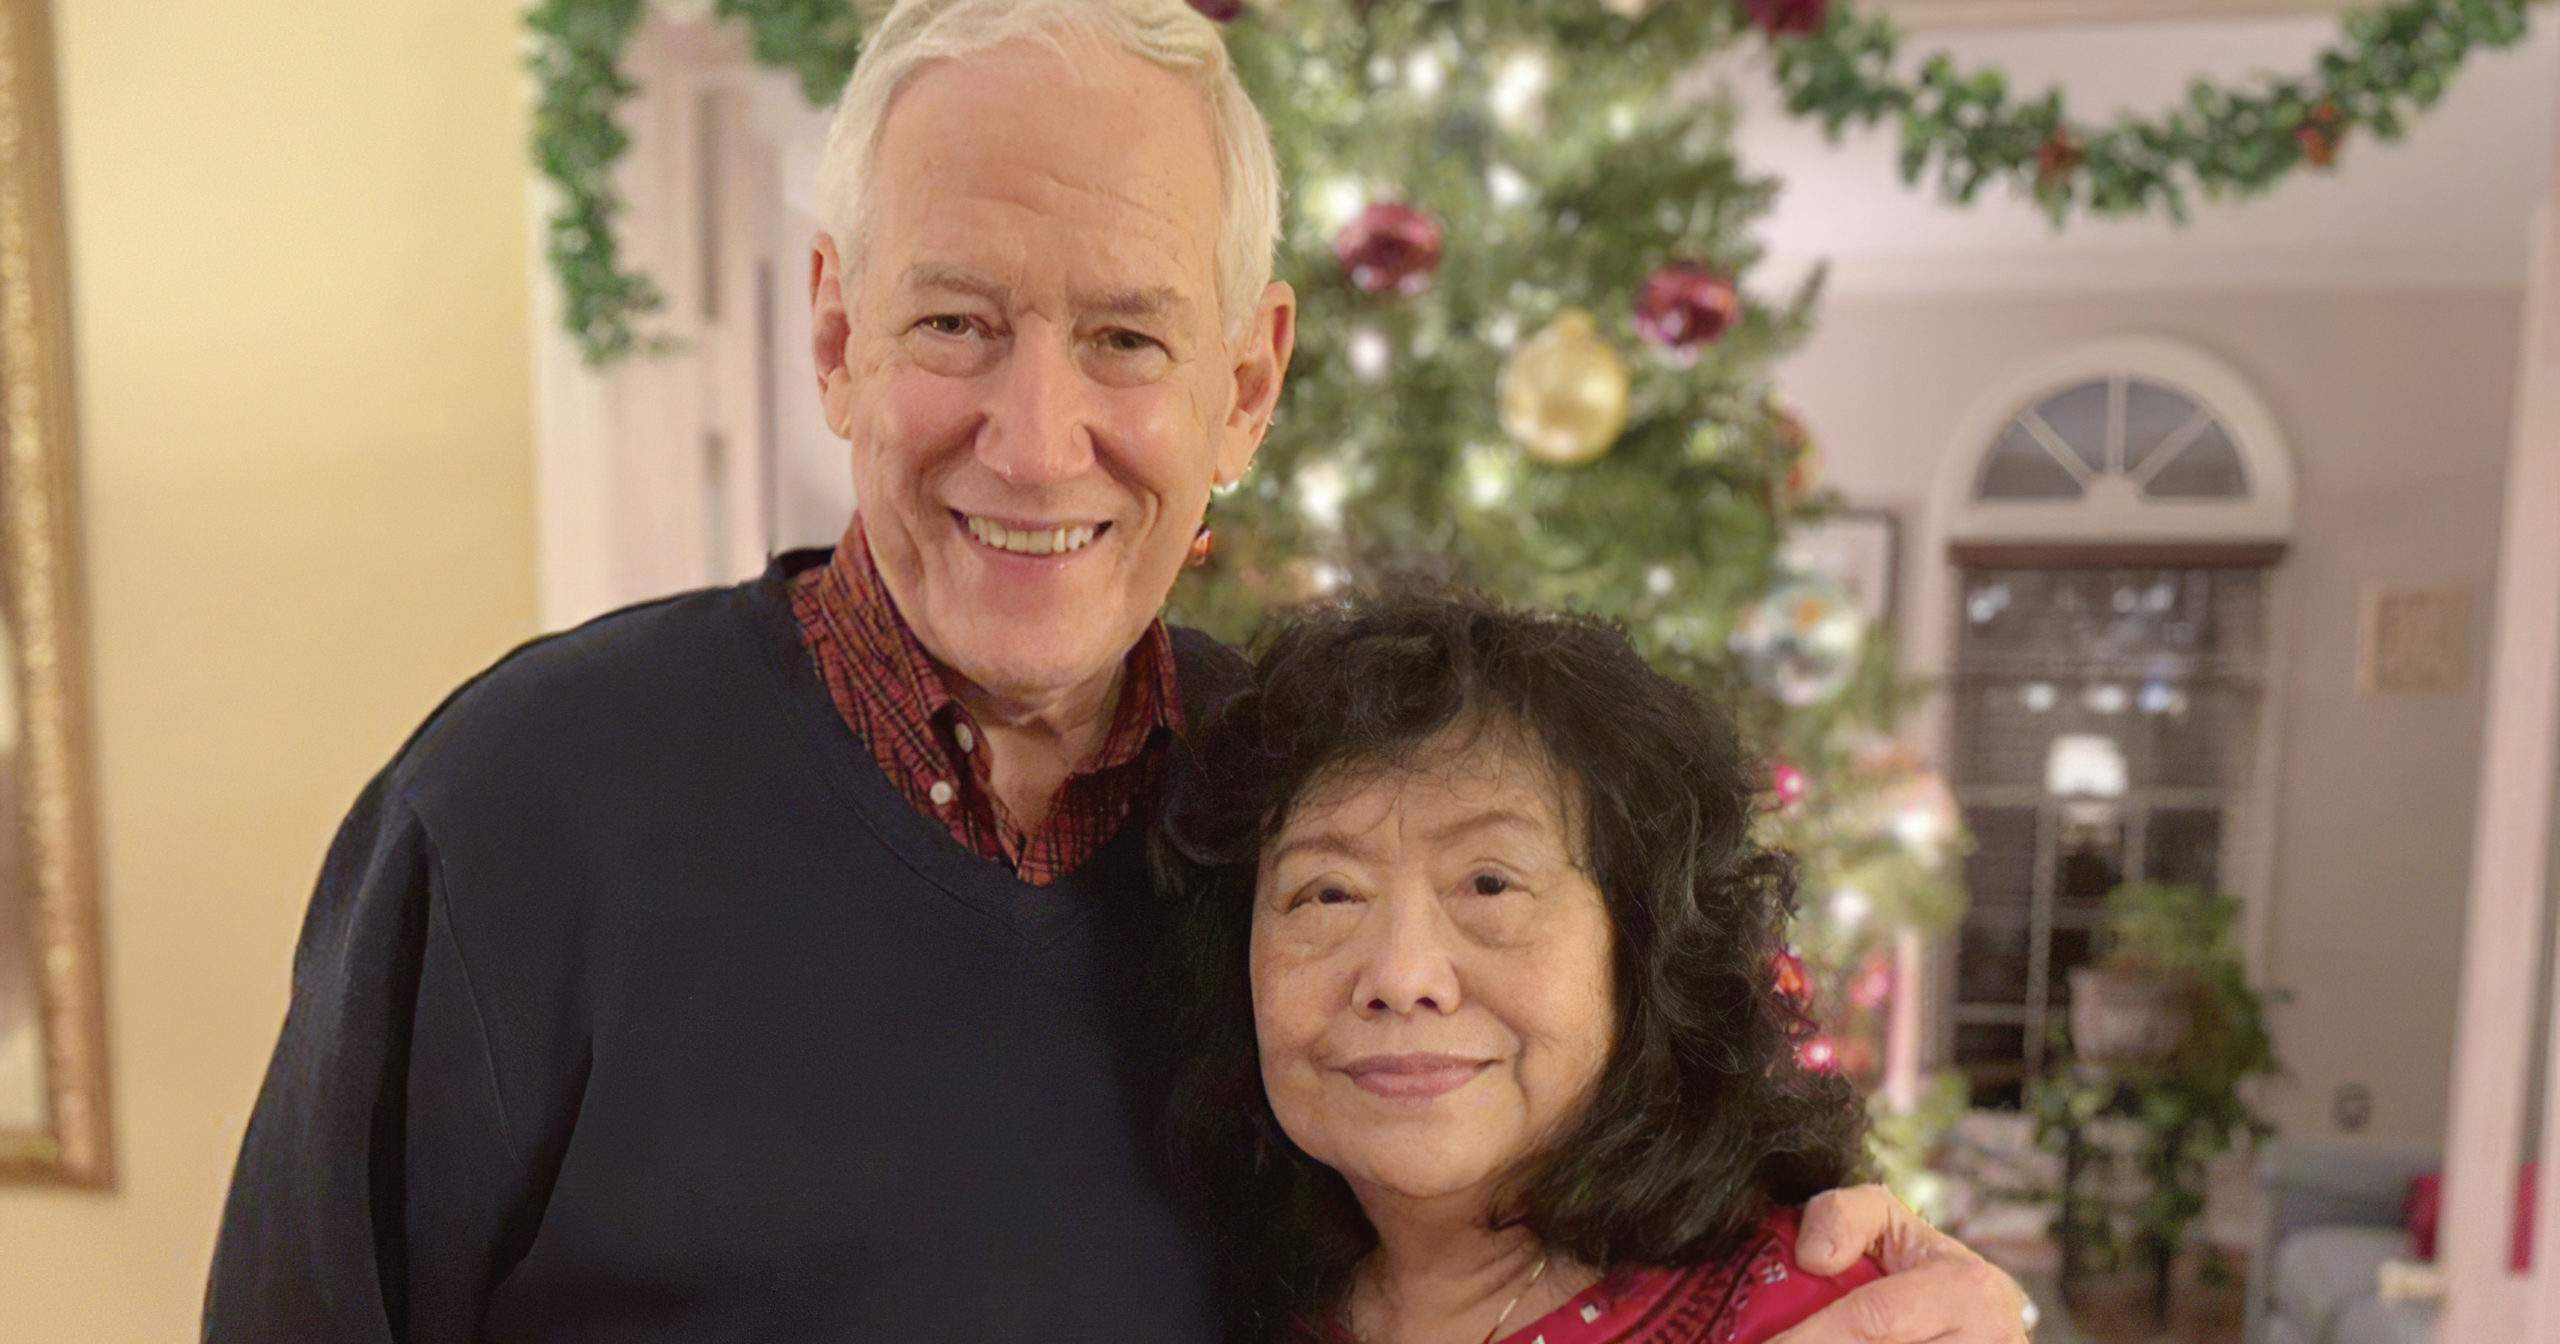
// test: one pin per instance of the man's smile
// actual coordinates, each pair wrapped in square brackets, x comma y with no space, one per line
[1032,541]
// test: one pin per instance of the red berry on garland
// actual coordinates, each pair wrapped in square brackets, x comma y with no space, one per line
[2058,159]
[1786,18]
[1391,246]
[2320,147]
[1224,11]
[1685,307]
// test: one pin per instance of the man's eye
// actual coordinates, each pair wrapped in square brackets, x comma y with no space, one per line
[1490,884]
[946,324]
[1126,342]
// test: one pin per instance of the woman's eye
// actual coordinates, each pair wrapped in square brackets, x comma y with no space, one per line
[1331,895]
[1491,884]
[946,324]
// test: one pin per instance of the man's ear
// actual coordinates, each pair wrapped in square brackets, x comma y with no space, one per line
[1262,365]
[829,329]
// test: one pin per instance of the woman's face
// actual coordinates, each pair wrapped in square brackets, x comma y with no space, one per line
[1431,983]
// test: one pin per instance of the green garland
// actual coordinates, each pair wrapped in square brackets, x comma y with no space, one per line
[2390,63]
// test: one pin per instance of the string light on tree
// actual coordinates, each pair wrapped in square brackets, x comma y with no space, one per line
[1519,87]
[1369,355]
[1787,785]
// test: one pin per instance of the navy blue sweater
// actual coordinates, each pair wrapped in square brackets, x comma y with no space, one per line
[635,1004]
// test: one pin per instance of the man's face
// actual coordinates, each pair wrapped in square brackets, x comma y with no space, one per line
[1029,362]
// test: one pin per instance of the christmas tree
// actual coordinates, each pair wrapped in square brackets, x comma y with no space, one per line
[1530,359]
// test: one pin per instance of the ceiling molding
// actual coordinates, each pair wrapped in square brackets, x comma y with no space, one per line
[1930,14]
[2153,270]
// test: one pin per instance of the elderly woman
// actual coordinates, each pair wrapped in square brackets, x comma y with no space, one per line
[1492,1045]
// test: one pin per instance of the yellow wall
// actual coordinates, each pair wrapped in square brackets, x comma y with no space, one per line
[299,238]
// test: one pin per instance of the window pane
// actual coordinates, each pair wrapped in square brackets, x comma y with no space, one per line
[2002,867]
[1989,1042]
[2153,414]
[2080,419]
[2089,861]
[2209,469]
[2071,948]
[2207,744]
[2184,847]
[2020,468]
[1991,960]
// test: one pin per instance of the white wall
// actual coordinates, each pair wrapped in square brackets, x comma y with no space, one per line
[300,279]
[2397,403]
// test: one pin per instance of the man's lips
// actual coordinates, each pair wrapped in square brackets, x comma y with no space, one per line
[1413,1076]
[1031,538]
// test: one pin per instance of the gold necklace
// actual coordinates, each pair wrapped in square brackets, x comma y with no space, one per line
[1534,1275]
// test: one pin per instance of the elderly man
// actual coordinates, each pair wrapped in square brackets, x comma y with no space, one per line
[776,962]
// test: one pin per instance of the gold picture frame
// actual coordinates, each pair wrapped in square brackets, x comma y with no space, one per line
[47,866]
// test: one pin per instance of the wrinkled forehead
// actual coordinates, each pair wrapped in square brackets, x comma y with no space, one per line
[1064,130]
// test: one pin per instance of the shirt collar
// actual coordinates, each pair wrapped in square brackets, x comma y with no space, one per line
[883,646]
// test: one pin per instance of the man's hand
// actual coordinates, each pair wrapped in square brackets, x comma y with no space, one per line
[1935,1290]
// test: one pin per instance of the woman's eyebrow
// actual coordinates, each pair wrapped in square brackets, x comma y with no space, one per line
[1500,818]
[1324,842]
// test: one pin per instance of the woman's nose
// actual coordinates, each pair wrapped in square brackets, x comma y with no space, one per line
[1407,964]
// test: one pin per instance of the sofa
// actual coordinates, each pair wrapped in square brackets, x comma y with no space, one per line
[2332,1214]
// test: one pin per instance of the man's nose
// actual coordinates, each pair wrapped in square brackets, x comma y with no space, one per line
[1038,428]
[1407,963]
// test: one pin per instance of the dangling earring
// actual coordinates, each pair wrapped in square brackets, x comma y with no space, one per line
[1203,543]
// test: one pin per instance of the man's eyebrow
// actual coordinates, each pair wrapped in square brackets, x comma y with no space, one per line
[1155,301]
[936,275]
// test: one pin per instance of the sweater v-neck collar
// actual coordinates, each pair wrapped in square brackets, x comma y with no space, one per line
[1039,915]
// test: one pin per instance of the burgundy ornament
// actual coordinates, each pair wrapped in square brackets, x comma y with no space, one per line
[1787,18]
[1224,11]
[1685,307]
[1390,248]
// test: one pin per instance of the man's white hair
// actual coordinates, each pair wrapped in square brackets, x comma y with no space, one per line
[1168,34]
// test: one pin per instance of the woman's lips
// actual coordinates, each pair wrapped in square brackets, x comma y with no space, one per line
[1413,1076]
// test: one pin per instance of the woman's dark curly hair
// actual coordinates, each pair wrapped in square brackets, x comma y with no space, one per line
[1701,1119]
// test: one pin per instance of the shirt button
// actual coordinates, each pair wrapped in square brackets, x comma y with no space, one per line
[942,793]
[967,738]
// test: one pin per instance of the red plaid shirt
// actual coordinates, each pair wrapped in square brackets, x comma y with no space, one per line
[892,695]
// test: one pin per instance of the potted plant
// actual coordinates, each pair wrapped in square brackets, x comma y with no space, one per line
[2168,1038]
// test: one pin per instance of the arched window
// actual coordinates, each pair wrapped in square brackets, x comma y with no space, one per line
[2113,518]
[2133,442]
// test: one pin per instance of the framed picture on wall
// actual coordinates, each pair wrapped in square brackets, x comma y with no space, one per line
[1855,548]
[53,1066]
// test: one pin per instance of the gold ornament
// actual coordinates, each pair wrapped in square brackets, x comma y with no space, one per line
[1564,393]
[1633,9]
